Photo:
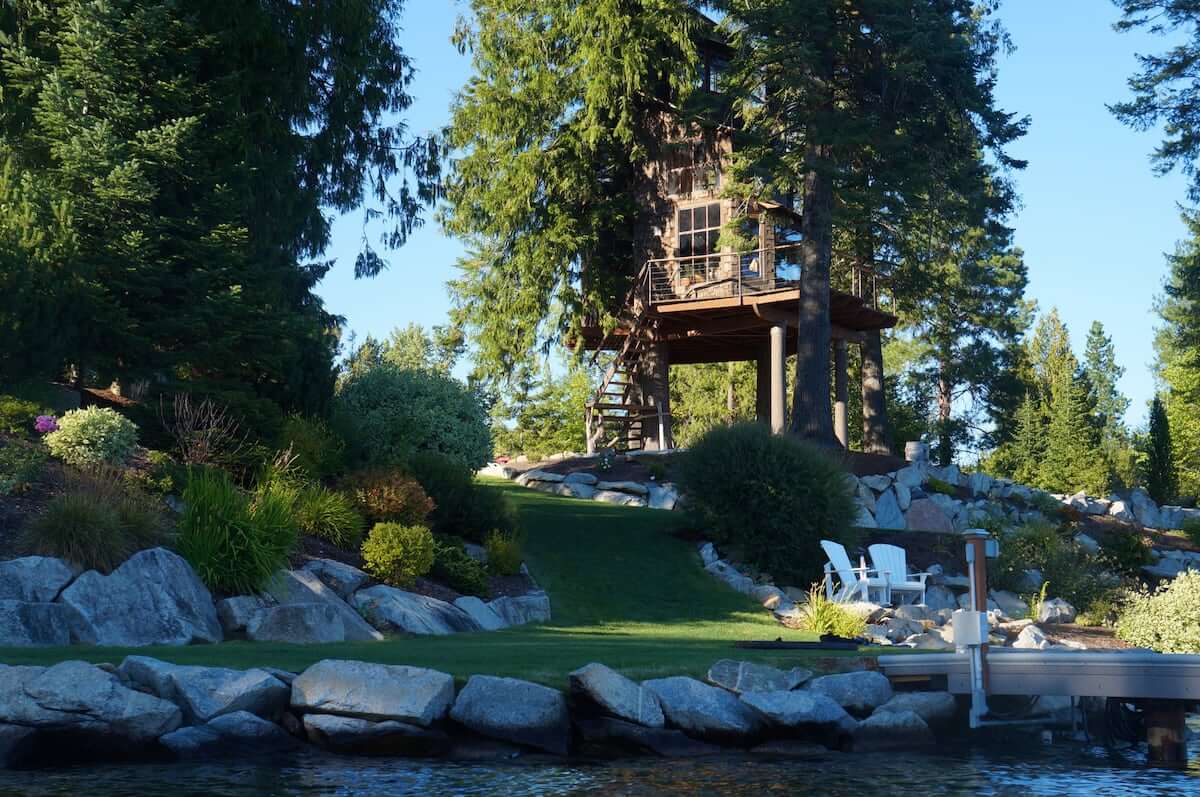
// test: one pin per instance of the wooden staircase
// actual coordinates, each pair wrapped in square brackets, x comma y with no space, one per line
[615,418]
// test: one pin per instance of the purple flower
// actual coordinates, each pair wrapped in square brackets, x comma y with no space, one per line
[46,424]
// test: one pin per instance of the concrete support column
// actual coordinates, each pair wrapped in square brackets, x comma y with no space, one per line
[778,385]
[656,395]
[841,392]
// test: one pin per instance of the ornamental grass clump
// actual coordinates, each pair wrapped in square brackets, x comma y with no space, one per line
[503,552]
[93,436]
[329,515]
[235,544]
[771,497]
[823,616]
[397,554]
[1166,620]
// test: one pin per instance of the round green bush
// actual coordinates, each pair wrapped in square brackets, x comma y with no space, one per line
[1167,620]
[461,506]
[390,414]
[93,436]
[772,498]
[319,452]
[455,568]
[397,554]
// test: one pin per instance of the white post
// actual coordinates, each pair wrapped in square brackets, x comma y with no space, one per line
[778,385]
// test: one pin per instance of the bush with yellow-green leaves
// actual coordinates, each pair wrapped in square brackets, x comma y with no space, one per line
[1167,619]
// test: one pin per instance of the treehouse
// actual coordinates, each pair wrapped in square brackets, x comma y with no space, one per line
[700,299]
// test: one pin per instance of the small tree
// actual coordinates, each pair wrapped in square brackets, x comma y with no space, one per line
[1162,482]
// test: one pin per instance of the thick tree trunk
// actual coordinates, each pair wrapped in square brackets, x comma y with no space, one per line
[812,414]
[875,439]
[655,383]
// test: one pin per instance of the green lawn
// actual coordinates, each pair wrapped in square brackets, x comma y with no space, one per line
[624,592]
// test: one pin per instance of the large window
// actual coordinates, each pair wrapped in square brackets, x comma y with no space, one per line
[787,252]
[698,231]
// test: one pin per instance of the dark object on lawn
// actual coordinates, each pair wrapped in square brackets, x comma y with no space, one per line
[827,643]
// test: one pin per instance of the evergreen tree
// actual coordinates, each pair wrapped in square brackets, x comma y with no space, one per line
[1178,348]
[1072,460]
[1028,448]
[1100,365]
[1162,482]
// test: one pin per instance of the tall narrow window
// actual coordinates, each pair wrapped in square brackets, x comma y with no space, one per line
[698,231]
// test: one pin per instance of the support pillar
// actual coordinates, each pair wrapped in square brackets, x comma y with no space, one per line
[656,396]
[1166,733]
[841,392]
[778,385]
[873,404]
[762,385]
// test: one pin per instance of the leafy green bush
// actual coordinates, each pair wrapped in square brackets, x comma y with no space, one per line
[93,436]
[20,465]
[397,554]
[1125,552]
[17,415]
[235,544]
[1104,610]
[503,552]
[462,507]
[1191,527]
[823,616]
[388,415]
[1074,574]
[456,569]
[319,452]
[1166,620]
[158,473]
[939,486]
[96,523]
[330,516]
[389,496]
[771,496]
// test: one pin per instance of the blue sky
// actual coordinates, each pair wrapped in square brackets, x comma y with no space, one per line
[1094,224]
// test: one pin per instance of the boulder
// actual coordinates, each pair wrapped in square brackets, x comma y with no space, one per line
[533,607]
[483,615]
[950,474]
[933,707]
[579,490]
[297,623]
[938,598]
[618,498]
[704,711]
[1031,638]
[912,476]
[581,478]
[864,494]
[1087,543]
[34,579]
[1121,511]
[857,692]
[878,483]
[367,737]
[892,730]
[926,515]
[904,496]
[887,511]
[24,624]
[77,696]
[748,676]
[617,695]
[1010,604]
[1056,610]
[539,476]
[514,711]
[16,744]
[897,629]
[153,598]
[979,483]
[663,496]
[865,520]
[240,733]
[205,693]
[768,595]
[730,575]
[913,612]
[290,587]
[394,609]
[934,639]
[801,710]
[411,695]
[236,613]
[619,737]
[633,488]
[708,554]
[343,579]
[1144,510]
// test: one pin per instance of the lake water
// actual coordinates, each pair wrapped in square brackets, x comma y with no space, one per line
[1064,768]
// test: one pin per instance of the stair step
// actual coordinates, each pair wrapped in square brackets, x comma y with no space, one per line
[626,407]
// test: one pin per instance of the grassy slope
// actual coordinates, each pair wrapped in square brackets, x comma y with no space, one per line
[624,592]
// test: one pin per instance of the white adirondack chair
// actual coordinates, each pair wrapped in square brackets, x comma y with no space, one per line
[855,583]
[892,563]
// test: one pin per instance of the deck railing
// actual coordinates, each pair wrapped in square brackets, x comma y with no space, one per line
[730,274]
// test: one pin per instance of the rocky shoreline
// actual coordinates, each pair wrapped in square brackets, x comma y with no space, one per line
[146,709]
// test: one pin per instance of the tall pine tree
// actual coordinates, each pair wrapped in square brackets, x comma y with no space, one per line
[1162,482]
[1178,348]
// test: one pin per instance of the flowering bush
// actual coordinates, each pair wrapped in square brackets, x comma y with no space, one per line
[46,424]
[93,436]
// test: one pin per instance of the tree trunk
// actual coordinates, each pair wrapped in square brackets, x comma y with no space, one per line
[875,438]
[812,414]
[945,400]
[730,394]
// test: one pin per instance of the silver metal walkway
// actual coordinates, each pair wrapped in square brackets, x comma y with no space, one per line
[1131,674]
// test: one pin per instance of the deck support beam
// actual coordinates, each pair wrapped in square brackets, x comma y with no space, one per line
[655,383]
[762,384]
[778,385]
[1166,733]
[841,392]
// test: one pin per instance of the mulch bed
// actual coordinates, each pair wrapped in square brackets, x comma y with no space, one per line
[1094,637]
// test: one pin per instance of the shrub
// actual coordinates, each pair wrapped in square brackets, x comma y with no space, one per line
[319,452]
[462,507]
[1191,527]
[503,552]
[657,470]
[96,523]
[823,616]
[1104,610]
[20,465]
[330,516]
[388,415]
[389,497]
[455,568]
[939,486]
[235,544]
[1125,552]
[93,436]
[1166,620]
[1073,573]
[397,554]
[205,432]
[771,496]
[18,416]
[157,473]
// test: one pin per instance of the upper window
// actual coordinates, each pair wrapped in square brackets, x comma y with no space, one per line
[698,230]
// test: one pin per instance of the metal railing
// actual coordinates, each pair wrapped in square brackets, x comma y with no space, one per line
[730,274]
